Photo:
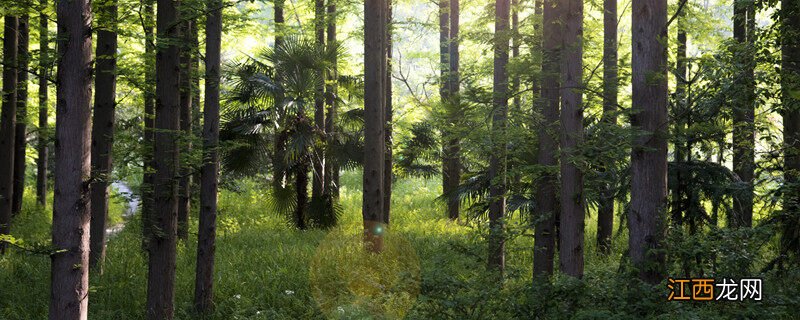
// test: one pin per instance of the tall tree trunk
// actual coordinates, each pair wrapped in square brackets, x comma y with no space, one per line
[103,127]
[148,199]
[279,20]
[187,93]
[605,212]
[744,113]
[445,96]
[69,272]
[387,161]
[572,203]
[515,43]
[209,172]
[790,84]
[649,156]
[547,210]
[497,163]
[682,121]
[161,267]
[331,167]
[21,135]
[8,124]
[451,172]
[318,155]
[374,121]
[42,135]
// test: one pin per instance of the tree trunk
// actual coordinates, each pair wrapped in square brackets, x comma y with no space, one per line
[744,114]
[21,135]
[69,284]
[148,199]
[374,122]
[387,168]
[497,163]
[8,124]
[790,84]
[515,43]
[331,167]
[161,267]
[103,127]
[451,172]
[547,210]
[649,156]
[209,174]
[572,203]
[187,93]
[279,20]
[605,212]
[301,190]
[42,134]
[682,121]
[318,158]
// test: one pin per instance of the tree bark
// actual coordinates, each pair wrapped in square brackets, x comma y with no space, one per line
[744,114]
[279,21]
[209,174]
[186,97]
[69,284]
[318,158]
[103,128]
[497,163]
[331,167]
[21,135]
[790,85]
[161,267]
[387,161]
[682,122]
[8,124]
[605,212]
[451,171]
[547,210]
[572,202]
[148,199]
[43,130]
[649,155]
[374,122]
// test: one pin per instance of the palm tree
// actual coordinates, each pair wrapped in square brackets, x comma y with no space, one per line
[268,121]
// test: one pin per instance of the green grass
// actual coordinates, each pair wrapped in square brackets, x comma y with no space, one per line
[264,267]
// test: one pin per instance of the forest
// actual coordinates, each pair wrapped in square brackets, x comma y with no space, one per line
[400,159]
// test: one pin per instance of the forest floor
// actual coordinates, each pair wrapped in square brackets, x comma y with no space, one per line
[432,268]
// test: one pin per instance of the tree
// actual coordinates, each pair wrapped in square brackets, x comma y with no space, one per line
[744,113]
[279,20]
[42,133]
[572,203]
[605,212]
[186,101]
[8,124]
[790,80]
[103,127]
[387,160]
[318,159]
[497,163]
[148,204]
[209,174]
[649,154]
[331,167]
[69,272]
[547,209]
[374,122]
[451,161]
[21,135]
[161,265]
